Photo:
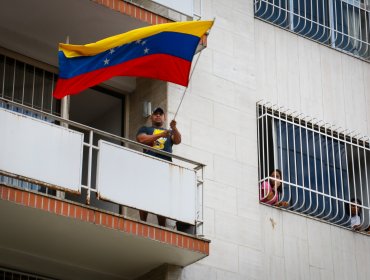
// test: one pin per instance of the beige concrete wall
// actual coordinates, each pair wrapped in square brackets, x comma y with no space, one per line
[248,60]
[163,272]
[149,90]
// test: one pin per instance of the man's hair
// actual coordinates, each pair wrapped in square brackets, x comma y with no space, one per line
[158,110]
[278,171]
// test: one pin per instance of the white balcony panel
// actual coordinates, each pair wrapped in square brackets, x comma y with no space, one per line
[184,6]
[143,182]
[40,150]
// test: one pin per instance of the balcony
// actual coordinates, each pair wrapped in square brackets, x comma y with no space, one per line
[67,191]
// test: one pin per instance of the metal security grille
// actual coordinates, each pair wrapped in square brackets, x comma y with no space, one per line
[7,274]
[325,170]
[341,24]
[28,85]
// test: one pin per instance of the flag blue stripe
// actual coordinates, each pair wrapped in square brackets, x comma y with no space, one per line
[172,43]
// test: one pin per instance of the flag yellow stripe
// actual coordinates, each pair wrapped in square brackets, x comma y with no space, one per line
[196,28]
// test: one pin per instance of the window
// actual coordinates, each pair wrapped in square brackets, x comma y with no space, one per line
[311,19]
[341,24]
[352,30]
[274,11]
[324,171]
[10,274]
[28,85]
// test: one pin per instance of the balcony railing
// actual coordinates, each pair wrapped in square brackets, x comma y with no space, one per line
[91,166]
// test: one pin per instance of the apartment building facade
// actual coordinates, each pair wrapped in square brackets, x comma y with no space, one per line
[280,85]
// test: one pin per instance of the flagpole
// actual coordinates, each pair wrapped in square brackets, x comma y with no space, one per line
[65,101]
[183,95]
[64,113]
[191,74]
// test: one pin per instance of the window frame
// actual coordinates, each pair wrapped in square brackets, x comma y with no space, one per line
[345,161]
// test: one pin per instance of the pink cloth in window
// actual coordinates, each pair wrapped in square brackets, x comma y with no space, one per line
[265,190]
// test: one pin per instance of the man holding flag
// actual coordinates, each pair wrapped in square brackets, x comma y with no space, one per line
[159,138]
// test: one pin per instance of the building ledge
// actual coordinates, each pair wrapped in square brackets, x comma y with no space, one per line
[133,10]
[126,248]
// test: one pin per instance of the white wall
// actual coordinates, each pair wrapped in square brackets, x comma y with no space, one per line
[311,78]
[248,60]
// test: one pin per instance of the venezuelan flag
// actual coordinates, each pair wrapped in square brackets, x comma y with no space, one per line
[162,51]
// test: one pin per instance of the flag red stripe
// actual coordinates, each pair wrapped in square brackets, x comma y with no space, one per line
[156,66]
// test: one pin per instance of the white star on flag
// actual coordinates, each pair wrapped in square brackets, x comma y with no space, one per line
[138,41]
[111,51]
[106,61]
[146,50]
[143,43]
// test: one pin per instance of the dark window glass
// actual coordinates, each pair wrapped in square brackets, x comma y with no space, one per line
[274,11]
[317,164]
[311,19]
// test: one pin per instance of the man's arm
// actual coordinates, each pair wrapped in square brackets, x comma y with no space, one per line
[146,139]
[176,136]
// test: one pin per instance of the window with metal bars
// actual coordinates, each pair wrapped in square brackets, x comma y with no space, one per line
[341,24]
[28,85]
[10,274]
[324,171]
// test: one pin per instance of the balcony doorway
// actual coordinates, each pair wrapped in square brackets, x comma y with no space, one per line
[99,108]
